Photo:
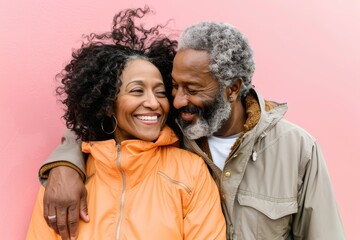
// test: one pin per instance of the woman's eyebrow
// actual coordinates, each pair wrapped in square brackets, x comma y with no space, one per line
[134,82]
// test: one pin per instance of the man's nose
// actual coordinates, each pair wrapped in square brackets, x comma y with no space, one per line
[180,99]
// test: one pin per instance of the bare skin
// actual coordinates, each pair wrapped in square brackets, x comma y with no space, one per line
[67,203]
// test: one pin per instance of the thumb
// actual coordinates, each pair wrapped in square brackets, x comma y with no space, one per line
[83,207]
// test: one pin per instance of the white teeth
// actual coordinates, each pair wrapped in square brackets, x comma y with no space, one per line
[148,118]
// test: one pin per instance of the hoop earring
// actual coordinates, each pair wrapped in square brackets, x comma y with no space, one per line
[102,125]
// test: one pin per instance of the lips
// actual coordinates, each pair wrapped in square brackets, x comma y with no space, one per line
[148,119]
[187,117]
[189,113]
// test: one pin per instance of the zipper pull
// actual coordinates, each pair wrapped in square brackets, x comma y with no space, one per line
[254,155]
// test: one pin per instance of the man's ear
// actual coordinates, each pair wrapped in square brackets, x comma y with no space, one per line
[233,91]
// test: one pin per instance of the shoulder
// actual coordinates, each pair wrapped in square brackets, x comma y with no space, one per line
[293,140]
[183,166]
[288,140]
[182,158]
[289,130]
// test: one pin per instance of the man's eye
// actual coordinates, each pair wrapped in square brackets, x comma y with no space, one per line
[192,92]
[175,86]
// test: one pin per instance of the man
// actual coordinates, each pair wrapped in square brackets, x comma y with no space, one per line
[271,174]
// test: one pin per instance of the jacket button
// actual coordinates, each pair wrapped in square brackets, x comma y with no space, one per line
[227,174]
[223,197]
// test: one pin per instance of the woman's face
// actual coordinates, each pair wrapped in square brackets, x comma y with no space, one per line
[141,107]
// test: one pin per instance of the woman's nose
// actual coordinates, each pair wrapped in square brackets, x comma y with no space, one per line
[151,101]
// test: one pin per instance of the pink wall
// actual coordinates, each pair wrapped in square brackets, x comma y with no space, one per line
[307,54]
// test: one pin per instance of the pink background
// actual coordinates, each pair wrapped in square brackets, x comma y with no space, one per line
[307,54]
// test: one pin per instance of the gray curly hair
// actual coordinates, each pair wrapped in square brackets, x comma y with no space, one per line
[231,57]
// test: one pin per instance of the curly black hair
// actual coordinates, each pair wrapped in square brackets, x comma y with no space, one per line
[90,82]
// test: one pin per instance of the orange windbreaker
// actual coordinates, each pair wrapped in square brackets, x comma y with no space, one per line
[144,190]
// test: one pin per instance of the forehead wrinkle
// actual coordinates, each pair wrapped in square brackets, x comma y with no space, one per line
[193,75]
[199,64]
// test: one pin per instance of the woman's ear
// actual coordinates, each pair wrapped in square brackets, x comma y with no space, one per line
[233,91]
[110,112]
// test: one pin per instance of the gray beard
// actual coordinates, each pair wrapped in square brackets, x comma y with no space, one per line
[210,122]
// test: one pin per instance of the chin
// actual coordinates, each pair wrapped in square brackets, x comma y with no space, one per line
[150,137]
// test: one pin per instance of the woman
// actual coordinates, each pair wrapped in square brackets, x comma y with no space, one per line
[140,185]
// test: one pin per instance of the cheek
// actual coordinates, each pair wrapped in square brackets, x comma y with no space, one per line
[212,91]
[165,106]
[201,100]
[173,92]
[120,117]
[122,109]
[209,96]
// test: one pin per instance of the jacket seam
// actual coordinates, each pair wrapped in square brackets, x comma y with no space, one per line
[273,141]
[267,198]
[175,182]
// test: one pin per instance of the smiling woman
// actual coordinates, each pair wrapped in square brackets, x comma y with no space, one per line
[141,106]
[139,185]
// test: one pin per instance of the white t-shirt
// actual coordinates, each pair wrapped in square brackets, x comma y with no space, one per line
[220,148]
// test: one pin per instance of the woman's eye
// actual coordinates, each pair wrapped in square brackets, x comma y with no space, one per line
[161,93]
[136,90]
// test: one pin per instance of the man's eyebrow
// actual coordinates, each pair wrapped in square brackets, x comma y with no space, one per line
[194,84]
[189,82]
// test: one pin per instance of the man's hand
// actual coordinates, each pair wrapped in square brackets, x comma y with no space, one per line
[64,198]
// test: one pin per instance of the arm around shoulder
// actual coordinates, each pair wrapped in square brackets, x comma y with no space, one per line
[68,153]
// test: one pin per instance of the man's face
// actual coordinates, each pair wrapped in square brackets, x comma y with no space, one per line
[202,106]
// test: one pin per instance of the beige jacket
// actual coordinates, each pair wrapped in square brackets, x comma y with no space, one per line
[275,184]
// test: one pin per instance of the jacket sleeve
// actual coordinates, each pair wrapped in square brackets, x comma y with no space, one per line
[68,153]
[318,216]
[38,228]
[203,217]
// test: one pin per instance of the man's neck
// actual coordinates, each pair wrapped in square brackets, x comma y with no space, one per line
[235,123]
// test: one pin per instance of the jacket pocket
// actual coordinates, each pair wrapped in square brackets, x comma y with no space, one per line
[262,217]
